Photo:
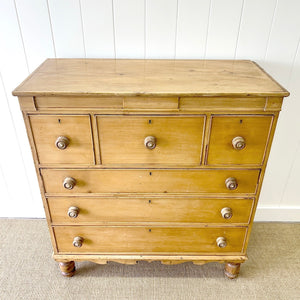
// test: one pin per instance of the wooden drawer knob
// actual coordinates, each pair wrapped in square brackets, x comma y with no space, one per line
[150,142]
[231,183]
[73,211]
[221,242]
[226,213]
[62,142]
[69,183]
[238,143]
[78,241]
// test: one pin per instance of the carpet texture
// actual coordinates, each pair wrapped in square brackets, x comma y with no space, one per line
[27,270]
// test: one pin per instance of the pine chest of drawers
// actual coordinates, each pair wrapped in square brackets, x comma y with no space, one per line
[150,159]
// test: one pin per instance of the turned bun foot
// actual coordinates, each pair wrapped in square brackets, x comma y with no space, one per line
[67,268]
[232,270]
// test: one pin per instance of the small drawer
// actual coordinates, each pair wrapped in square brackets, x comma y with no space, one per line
[239,139]
[143,140]
[70,210]
[63,139]
[72,181]
[147,240]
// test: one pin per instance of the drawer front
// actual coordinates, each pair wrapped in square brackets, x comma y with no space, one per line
[177,140]
[148,239]
[148,181]
[96,210]
[63,139]
[238,139]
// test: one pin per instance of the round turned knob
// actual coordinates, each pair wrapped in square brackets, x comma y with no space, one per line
[62,142]
[226,213]
[73,212]
[69,183]
[77,242]
[150,142]
[238,143]
[231,183]
[221,242]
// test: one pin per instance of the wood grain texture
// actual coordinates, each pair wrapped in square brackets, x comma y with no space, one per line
[149,77]
[163,210]
[178,139]
[46,130]
[149,181]
[196,259]
[147,240]
[254,129]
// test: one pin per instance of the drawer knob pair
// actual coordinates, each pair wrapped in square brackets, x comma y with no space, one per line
[62,142]
[238,143]
[150,142]
[73,212]
[221,242]
[78,241]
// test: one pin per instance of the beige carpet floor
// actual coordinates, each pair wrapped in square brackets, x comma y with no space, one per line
[27,270]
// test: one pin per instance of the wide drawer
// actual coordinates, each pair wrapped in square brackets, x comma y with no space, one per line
[63,139]
[150,139]
[71,210]
[96,239]
[238,139]
[148,181]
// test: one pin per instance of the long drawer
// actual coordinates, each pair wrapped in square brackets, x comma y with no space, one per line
[148,240]
[70,181]
[71,210]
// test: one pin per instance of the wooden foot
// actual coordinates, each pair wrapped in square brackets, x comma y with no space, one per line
[67,268]
[232,270]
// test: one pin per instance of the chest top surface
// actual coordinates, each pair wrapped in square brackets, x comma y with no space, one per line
[107,77]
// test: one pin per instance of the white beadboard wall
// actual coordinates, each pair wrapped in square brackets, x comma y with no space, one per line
[265,31]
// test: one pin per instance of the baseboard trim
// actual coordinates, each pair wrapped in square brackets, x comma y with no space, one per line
[277,214]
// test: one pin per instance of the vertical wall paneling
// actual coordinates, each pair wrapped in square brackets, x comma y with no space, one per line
[17,158]
[192,28]
[98,28]
[279,61]
[67,28]
[255,28]
[36,31]
[282,44]
[12,168]
[291,190]
[265,31]
[223,30]
[129,28]
[161,18]
[5,198]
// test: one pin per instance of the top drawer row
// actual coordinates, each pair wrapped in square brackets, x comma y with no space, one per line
[169,140]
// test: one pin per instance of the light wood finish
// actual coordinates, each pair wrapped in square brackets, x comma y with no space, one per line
[46,103]
[120,210]
[67,268]
[232,270]
[146,103]
[63,77]
[148,240]
[253,129]
[196,259]
[216,104]
[178,139]
[47,128]
[186,190]
[149,181]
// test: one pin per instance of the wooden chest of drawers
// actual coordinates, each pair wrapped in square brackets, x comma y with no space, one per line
[150,159]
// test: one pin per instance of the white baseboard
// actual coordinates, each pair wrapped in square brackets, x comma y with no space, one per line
[277,214]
